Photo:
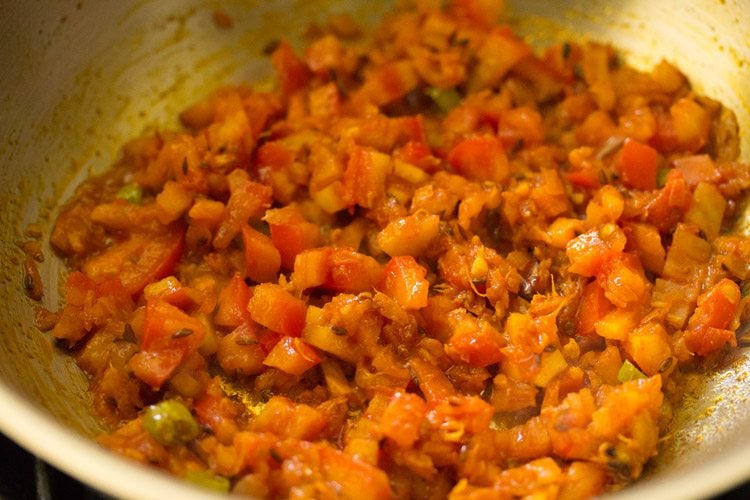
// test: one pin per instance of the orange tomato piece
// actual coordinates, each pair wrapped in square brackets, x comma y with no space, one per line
[292,355]
[275,308]
[232,305]
[637,165]
[262,258]
[291,233]
[404,280]
[481,158]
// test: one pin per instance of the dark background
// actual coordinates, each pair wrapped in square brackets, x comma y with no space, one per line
[23,476]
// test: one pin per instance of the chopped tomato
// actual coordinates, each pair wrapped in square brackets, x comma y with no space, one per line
[248,200]
[170,290]
[262,258]
[365,176]
[292,355]
[275,308]
[474,341]
[155,367]
[232,307]
[403,417]
[637,165]
[167,327]
[709,327]
[291,233]
[590,250]
[291,70]
[336,269]
[481,158]
[593,307]
[404,280]
[139,260]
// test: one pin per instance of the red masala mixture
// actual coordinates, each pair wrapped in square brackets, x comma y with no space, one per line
[432,263]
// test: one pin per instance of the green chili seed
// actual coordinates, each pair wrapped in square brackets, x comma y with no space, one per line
[132,193]
[208,480]
[170,422]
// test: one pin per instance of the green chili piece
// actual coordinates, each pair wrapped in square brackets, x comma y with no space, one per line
[170,422]
[446,99]
[209,480]
[628,371]
[132,193]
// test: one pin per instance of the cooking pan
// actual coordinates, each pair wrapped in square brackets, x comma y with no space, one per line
[81,77]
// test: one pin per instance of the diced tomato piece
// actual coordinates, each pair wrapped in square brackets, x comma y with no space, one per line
[590,250]
[637,165]
[139,260]
[262,258]
[708,327]
[337,269]
[481,158]
[593,307]
[586,178]
[218,413]
[520,125]
[354,478]
[403,417]
[432,381]
[291,233]
[622,279]
[351,272]
[472,412]
[390,82]
[292,71]
[275,308]
[671,203]
[403,280]
[232,307]
[292,355]
[498,53]
[417,153]
[169,290]
[248,200]
[155,367]
[274,154]
[89,305]
[365,176]
[167,327]
[474,341]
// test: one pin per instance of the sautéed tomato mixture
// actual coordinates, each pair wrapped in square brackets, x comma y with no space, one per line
[431,263]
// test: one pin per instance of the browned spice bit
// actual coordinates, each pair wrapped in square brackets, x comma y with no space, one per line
[32,280]
[34,249]
[33,231]
[222,19]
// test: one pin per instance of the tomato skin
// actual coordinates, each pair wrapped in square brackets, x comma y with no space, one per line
[275,308]
[139,260]
[169,290]
[482,158]
[403,280]
[365,177]
[293,356]
[637,165]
